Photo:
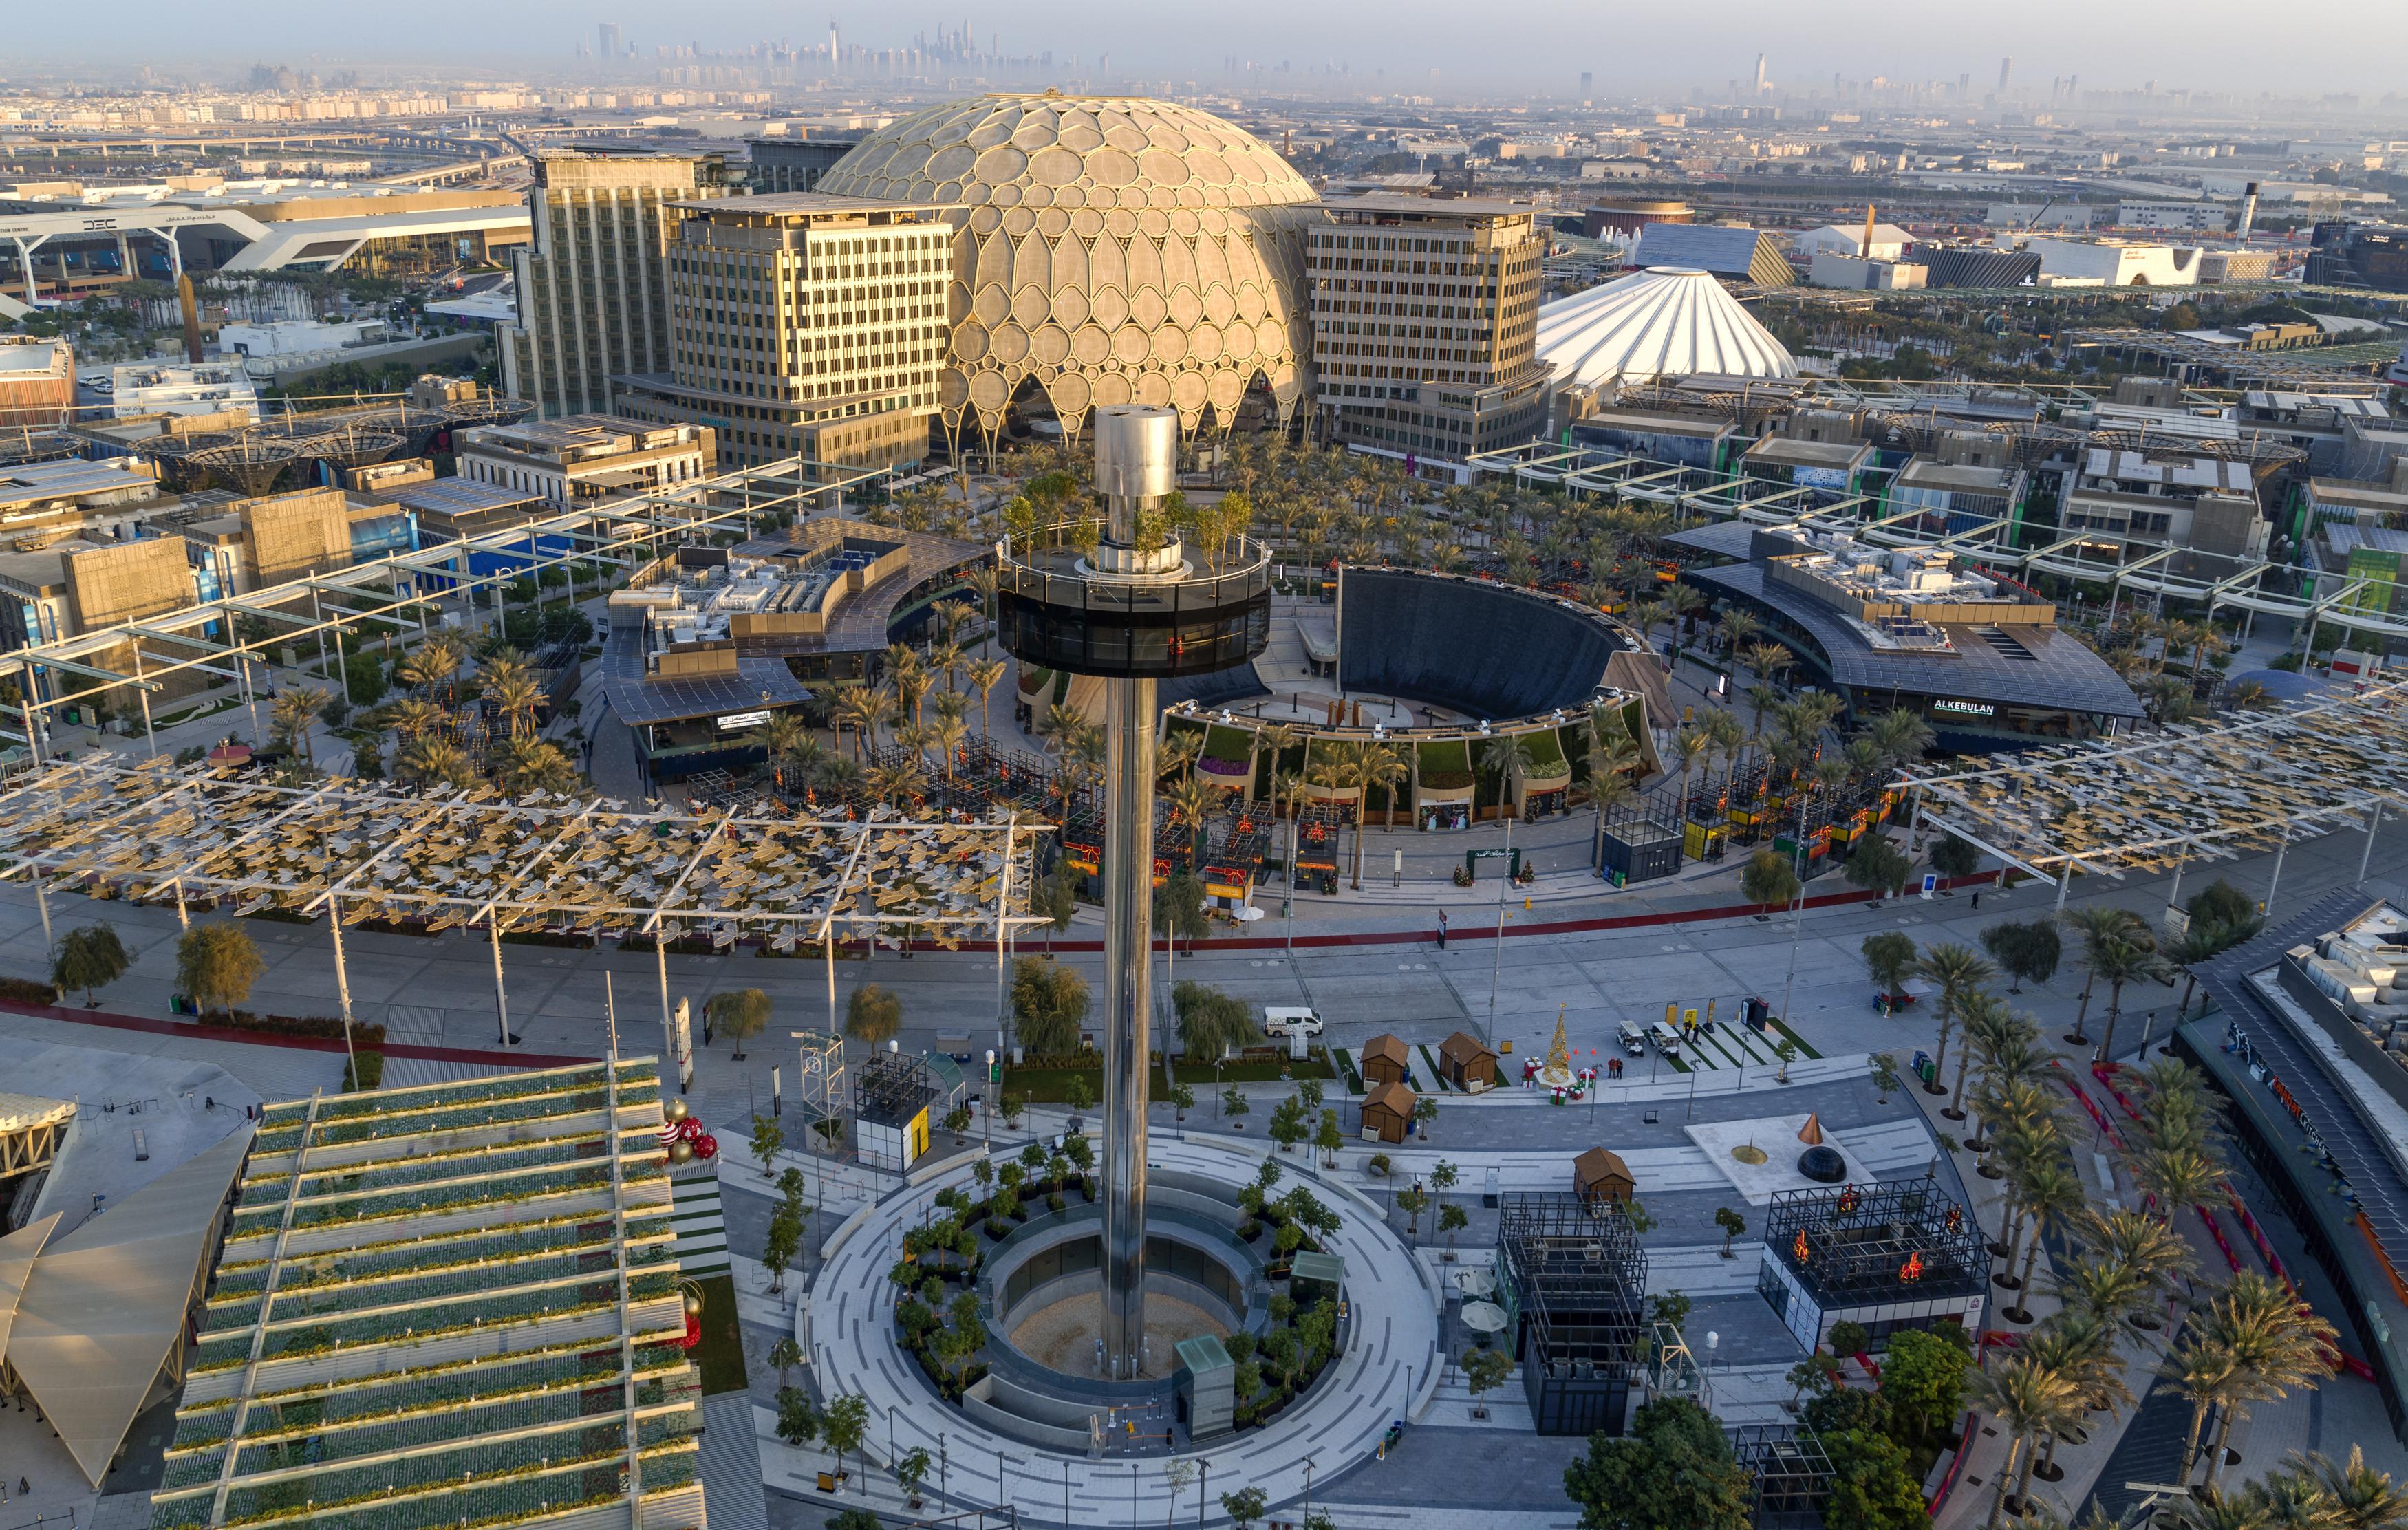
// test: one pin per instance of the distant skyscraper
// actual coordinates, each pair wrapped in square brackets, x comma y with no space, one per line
[1965,87]
[609,34]
[2006,72]
[1759,74]
[1585,96]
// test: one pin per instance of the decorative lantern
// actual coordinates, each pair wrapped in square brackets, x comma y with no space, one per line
[1911,1270]
[1798,1249]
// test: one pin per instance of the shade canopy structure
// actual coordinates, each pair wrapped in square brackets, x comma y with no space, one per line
[1484,1317]
[95,1318]
[1662,322]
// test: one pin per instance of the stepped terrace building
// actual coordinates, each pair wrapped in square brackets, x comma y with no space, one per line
[451,1305]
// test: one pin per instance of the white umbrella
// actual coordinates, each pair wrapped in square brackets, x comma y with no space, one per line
[1476,1282]
[1484,1317]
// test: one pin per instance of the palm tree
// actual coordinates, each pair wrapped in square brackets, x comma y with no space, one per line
[435,665]
[2046,1192]
[2083,1350]
[1612,753]
[1193,802]
[778,736]
[2145,1245]
[1060,726]
[2120,961]
[948,732]
[2101,1289]
[434,762]
[2028,1401]
[536,764]
[410,715]
[516,695]
[2209,1510]
[1274,740]
[2176,1177]
[1764,660]
[985,675]
[293,713]
[2357,1495]
[2095,923]
[1180,752]
[2273,1341]
[1958,970]
[982,581]
[864,709]
[1385,768]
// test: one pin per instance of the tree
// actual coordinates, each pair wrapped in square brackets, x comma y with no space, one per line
[798,1422]
[1923,1376]
[768,1140]
[743,1013]
[2269,1342]
[912,1470]
[216,965]
[1484,1371]
[1884,1071]
[2096,924]
[1233,1104]
[1674,1469]
[846,1424]
[1211,1023]
[1958,970]
[1768,879]
[1325,1137]
[784,1356]
[2221,903]
[1732,1226]
[1413,1201]
[1287,1127]
[1178,907]
[1872,1485]
[1048,1006]
[2360,1496]
[1426,1115]
[1878,867]
[1953,857]
[1890,956]
[2028,1401]
[2025,949]
[873,1015]
[780,1245]
[89,958]
[1244,1507]
[1849,1337]
[2121,961]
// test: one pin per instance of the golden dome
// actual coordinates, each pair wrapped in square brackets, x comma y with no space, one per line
[1112,250]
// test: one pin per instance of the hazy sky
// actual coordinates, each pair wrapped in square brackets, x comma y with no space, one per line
[1632,46]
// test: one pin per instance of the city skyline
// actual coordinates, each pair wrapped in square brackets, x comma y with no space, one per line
[1411,49]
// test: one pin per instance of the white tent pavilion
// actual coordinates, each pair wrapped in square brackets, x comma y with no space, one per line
[1663,322]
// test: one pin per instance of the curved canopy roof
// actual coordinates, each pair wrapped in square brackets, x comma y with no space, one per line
[1663,322]
[91,1317]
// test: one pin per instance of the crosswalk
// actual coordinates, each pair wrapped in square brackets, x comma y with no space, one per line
[695,1217]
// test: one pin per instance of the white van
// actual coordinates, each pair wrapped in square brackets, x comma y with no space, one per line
[1290,1020]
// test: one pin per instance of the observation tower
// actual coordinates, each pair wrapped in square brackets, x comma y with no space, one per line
[1123,597]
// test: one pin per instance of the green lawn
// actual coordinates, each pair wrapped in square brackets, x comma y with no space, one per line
[1052,1085]
[721,1353]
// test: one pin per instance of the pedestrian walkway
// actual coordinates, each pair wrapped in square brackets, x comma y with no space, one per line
[1387,1371]
[695,1218]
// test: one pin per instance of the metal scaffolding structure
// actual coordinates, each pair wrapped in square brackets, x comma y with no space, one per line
[396,593]
[2208,792]
[1573,1277]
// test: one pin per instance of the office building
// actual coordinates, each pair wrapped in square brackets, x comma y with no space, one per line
[586,457]
[1424,319]
[794,165]
[592,288]
[803,325]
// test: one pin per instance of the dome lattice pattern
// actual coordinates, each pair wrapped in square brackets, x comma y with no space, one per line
[1112,250]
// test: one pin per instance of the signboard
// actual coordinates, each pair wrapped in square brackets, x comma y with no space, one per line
[2177,921]
[1965,708]
[1930,883]
[738,722]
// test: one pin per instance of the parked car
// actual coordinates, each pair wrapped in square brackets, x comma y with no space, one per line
[1290,1020]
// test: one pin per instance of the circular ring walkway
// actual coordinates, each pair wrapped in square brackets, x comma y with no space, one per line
[1386,1370]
